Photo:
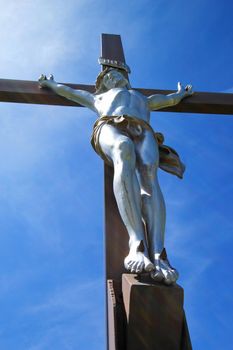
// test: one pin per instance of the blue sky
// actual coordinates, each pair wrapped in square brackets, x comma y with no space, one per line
[51,181]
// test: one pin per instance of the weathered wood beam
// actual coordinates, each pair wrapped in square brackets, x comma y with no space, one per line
[199,102]
[25,91]
[22,91]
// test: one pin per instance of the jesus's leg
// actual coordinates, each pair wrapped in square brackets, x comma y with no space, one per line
[120,150]
[153,206]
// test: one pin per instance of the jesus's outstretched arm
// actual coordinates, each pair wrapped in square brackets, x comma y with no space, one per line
[82,97]
[161,101]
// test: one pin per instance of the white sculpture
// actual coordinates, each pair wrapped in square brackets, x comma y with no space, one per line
[123,137]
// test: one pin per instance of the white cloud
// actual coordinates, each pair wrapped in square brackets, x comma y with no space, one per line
[67,309]
[72,297]
[36,36]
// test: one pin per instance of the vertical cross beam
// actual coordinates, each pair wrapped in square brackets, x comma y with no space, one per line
[116,237]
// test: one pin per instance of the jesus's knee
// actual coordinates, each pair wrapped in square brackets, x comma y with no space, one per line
[124,151]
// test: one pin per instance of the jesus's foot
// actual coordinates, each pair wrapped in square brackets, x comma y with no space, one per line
[137,260]
[163,271]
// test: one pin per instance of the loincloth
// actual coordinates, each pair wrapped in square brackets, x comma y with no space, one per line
[169,159]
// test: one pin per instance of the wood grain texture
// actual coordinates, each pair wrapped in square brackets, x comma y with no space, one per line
[155,315]
[26,91]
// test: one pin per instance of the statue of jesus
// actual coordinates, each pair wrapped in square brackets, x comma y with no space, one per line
[123,137]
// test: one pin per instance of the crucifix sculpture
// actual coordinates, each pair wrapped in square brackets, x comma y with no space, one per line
[126,141]
[123,137]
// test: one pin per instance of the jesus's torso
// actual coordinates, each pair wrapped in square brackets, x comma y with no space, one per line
[121,101]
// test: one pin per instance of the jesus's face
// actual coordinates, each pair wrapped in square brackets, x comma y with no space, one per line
[113,79]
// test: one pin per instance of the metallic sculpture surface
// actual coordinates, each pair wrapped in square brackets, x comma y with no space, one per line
[123,137]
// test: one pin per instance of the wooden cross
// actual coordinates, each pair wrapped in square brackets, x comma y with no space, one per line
[115,233]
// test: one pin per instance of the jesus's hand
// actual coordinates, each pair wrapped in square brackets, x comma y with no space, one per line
[43,80]
[187,90]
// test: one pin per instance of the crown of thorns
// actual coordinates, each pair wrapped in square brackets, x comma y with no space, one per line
[114,63]
[109,65]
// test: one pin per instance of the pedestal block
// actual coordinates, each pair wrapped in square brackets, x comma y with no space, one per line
[155,315]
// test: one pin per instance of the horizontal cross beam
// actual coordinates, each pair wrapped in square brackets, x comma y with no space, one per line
[22,91]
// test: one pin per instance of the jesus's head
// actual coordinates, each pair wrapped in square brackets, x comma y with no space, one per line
[111,78]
